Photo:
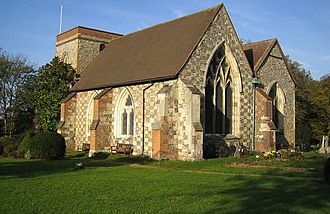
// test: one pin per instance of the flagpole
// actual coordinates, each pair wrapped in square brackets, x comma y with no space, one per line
[61,19]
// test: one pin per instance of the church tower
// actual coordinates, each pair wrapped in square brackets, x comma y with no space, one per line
[80,45]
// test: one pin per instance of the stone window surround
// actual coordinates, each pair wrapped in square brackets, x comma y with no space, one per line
[65,57]
[237,83]
[120,106]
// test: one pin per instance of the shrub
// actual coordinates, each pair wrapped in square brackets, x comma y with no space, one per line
[25,143]
[327,170]
[11,150]
[1,148]
[100,155]
[4,141]
[47,145]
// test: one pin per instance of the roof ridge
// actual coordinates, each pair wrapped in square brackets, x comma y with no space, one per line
[145,53]
[172,20]
[260,41]
[264,56]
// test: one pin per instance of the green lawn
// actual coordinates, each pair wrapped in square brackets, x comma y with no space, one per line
[122,184]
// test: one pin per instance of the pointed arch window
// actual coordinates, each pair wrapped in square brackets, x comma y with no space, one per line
[219,95]
[65,57]
[125,115]
[101,48]
[89,116]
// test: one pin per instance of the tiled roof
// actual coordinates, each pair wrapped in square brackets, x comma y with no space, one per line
[155,53]
[256,52]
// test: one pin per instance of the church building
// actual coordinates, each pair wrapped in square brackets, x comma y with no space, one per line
[185,89]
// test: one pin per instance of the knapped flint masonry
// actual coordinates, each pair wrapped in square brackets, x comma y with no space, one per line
[185,89]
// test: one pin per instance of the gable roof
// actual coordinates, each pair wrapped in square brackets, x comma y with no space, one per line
[256,52]
[152,54]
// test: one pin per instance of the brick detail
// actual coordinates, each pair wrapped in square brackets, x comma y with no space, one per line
[265,128]
[274,70]
[161,147]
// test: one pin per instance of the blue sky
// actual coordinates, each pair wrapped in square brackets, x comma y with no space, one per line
[29,27]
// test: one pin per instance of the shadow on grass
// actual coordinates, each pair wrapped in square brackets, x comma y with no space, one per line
[273,195]
[18,168]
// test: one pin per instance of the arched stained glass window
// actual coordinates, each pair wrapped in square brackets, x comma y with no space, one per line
[219,95]
[125,115]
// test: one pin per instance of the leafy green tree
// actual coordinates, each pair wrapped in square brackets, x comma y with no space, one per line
[47,89]
[14,72]
[325,80]
[312,102]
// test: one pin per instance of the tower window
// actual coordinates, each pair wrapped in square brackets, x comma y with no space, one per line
[102,46]
[65,57]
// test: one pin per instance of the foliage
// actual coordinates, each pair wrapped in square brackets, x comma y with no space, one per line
[270,154]
[7,145]
[303,136]
[312,102]
[47,145]
[11,150]
[1,148]
[327,170]
[7,140]
[25,143]
[45,92]
[14,72]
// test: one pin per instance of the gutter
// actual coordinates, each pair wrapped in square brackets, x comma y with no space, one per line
[143,113]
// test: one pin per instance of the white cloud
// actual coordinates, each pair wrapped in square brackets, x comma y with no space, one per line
[178,13]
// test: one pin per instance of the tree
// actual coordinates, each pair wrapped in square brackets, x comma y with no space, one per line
[325,80]
[14,71]
[312,102]
[47,89]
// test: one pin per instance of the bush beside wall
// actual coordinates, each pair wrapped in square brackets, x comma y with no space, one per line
[47,145]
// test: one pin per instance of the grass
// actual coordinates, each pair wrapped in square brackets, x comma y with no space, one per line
[120,184]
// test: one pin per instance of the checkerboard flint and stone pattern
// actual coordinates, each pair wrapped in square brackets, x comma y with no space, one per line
[69,129]
[107,118]
[274,70]
[179,125]
[82,101]
[178,134]
[151,114]
[194,71]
